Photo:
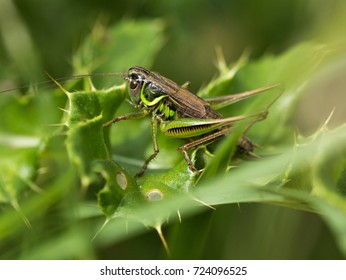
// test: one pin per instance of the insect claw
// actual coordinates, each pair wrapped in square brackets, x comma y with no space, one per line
[189,162]
[139,174]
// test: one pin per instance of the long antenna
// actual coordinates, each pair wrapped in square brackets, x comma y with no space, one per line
[72,77]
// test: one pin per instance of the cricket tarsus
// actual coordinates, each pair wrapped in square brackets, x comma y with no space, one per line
[182,114]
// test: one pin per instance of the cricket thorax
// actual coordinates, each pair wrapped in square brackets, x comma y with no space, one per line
[166,111]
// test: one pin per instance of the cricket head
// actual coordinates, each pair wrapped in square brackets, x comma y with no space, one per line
[143,88]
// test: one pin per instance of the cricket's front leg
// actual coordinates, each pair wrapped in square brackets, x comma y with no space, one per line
[154,122]
[130,116]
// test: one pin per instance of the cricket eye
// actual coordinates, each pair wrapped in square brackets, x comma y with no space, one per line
[133,84]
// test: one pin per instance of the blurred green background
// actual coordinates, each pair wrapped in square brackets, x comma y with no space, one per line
[40,36]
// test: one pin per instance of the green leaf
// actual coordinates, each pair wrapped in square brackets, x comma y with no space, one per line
[86,139]
[120,188]
[306,173]
[287,179]
[23,131]
[118,48]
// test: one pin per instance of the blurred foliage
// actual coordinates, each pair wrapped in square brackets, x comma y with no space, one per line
[52,176]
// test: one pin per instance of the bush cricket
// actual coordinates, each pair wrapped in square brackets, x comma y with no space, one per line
[182,114]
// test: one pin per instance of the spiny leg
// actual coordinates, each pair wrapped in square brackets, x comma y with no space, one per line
[263,115]
[204,140]
[244,143]
[245,146]
[154,122]
[130,116]
[138,115]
